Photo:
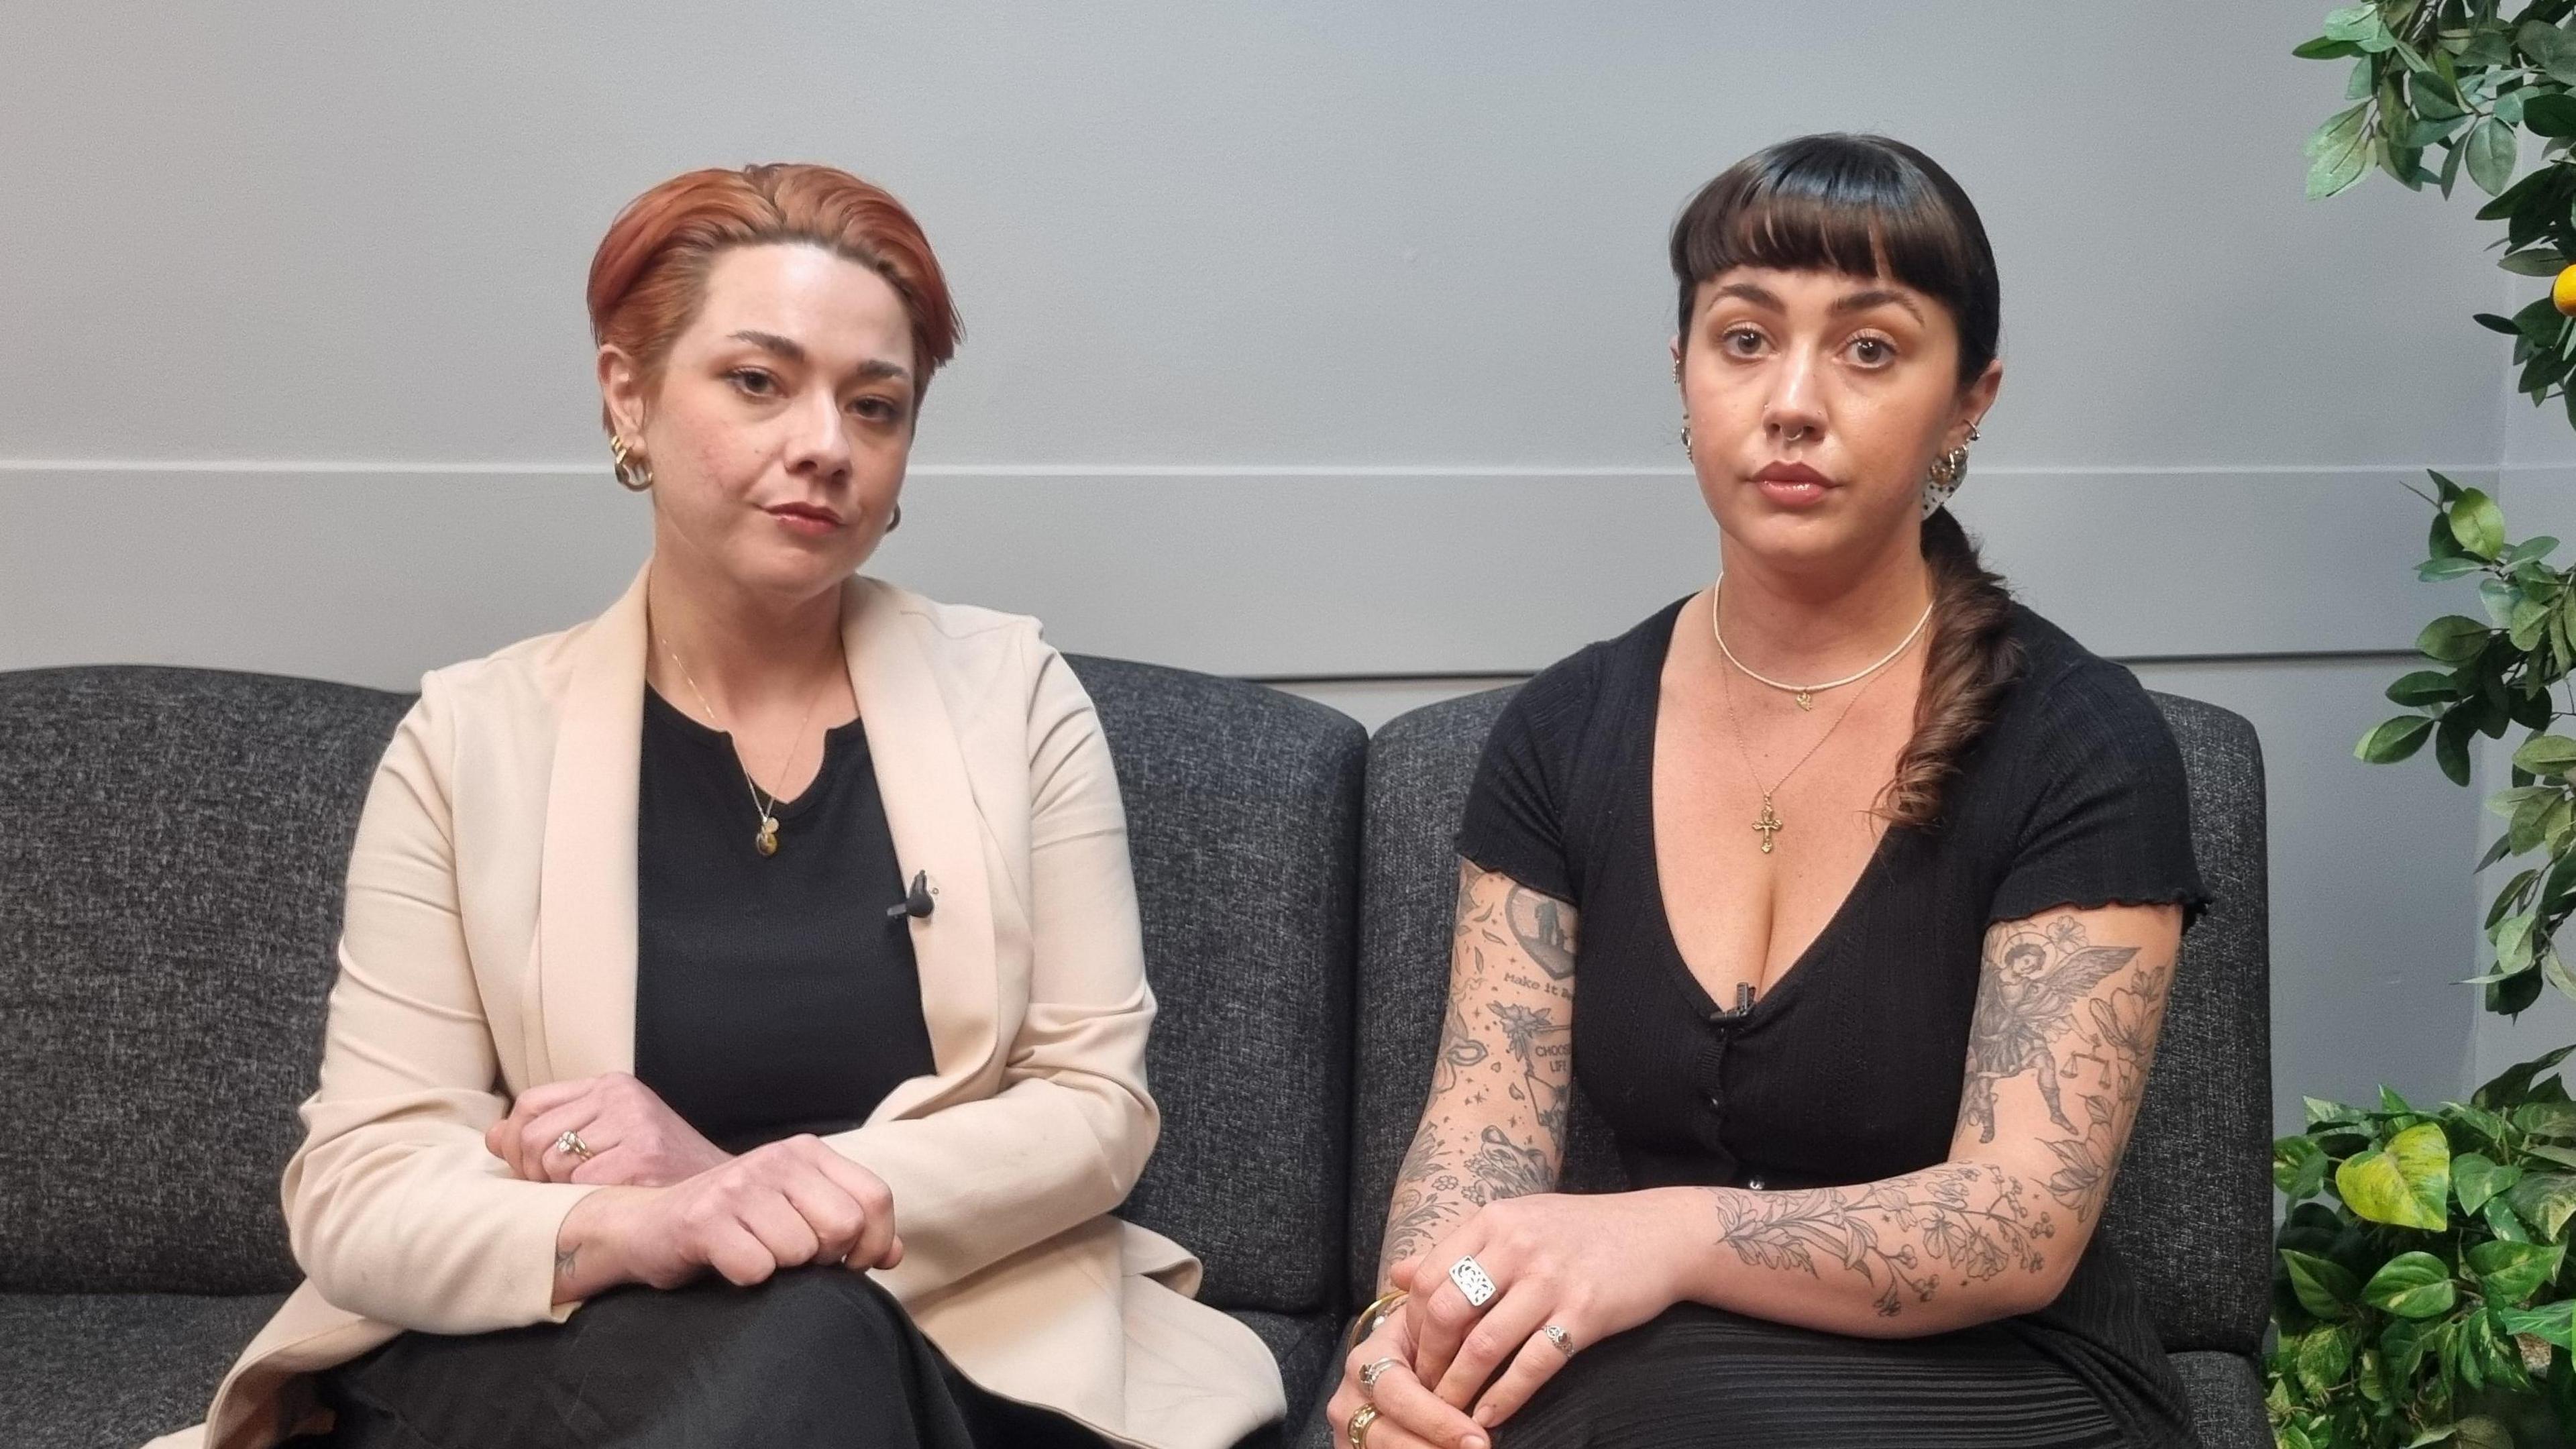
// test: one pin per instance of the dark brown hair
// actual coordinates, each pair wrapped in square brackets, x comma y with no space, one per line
[1868,207]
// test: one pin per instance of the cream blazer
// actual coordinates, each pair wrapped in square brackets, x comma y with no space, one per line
[489,946]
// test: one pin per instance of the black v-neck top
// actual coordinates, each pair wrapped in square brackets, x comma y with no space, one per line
[1849,1068]
[773,995]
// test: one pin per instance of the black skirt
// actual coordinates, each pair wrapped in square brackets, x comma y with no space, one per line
[816,1357]
[1708,1379]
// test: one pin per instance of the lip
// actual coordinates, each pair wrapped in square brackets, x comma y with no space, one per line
[810,519]
[1792,485]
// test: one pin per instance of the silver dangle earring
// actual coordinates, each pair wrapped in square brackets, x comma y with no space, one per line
[1686,438]
[1948,472]
[632,472]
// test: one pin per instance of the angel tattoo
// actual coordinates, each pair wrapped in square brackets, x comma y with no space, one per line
[2033,980]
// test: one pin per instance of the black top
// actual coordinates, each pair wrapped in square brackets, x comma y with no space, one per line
[772,994]
[1850,1068]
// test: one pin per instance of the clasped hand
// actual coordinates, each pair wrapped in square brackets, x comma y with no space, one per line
[675,1204]
[1588,1265]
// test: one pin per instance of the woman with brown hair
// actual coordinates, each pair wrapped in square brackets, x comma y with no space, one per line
[1873,882]
[754,968]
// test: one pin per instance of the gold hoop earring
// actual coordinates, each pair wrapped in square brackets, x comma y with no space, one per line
[629,467]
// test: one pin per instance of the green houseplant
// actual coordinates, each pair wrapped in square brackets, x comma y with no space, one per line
[2421,1288]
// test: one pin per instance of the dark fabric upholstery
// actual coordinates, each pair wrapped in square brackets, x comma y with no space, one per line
[2192,1209]
[1243,810]
[172,846]
[110,1370]
[2226,1392]
[1308,1347]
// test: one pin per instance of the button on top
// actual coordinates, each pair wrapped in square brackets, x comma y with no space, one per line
[1753,1184]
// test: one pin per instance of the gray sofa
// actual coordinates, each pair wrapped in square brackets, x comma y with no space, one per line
[171,844]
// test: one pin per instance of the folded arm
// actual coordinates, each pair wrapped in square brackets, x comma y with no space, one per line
[1066,1137]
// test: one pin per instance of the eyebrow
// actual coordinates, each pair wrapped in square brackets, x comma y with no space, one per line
[794,351]
[1860,301]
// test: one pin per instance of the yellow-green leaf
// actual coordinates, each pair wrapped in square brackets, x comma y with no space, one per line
[2407,1184]
[2547,756]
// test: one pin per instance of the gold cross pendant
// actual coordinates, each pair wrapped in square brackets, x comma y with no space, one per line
[1769,823]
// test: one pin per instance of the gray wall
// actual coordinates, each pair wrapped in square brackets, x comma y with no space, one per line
[1319,342]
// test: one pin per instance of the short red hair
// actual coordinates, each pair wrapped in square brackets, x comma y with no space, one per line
[650,274]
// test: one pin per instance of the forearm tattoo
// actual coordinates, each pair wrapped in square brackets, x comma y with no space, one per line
[1969,1221]
[2037,1017]
[1503,1075]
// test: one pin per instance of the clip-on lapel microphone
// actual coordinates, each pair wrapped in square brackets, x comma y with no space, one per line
[917,903]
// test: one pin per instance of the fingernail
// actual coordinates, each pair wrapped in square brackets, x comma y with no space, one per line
[1473,1441]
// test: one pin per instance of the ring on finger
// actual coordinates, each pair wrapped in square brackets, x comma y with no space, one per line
[571,1145]
[1564,1341]
[1357,1431]
[1374,1370]
[1472,1280]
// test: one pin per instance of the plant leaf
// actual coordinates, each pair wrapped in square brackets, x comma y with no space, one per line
[2547,756]
[2544,1201]
[2324,1357]
[2550,115]
[2555,1322]
[2508,1273]
[2395,739]
[2407,1184]
[2424,686]
[2547,1119]
[2340,152]
[2475,1178]
[2476,522]
[2453,639]
[2324,1288]
[2493,150]
[2299,1168]
[2410,1285]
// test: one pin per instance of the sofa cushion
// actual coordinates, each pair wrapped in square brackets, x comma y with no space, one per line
[1243,820]
[110,1370]
[172,847]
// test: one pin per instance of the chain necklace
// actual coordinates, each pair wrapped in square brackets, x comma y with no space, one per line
[1769,822]
[766,840]
[1806,693]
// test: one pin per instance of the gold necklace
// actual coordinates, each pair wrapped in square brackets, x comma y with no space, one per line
[1806,693]
[1769,822]
[766,840]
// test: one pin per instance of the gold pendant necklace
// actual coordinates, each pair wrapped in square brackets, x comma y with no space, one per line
[1768,824]
[1806,694]
[765,839]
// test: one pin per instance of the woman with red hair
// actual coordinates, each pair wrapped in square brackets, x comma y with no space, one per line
[754,968]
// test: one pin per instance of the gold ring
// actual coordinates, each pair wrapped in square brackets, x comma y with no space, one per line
[1361,1418]
[570,1144]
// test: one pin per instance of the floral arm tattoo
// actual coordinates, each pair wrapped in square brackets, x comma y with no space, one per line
[1501,1080]
[2074,1021]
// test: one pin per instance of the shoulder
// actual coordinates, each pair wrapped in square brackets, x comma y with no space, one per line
[1595,684]
[2078,723]
[2067,688]
[992,667]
